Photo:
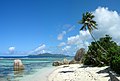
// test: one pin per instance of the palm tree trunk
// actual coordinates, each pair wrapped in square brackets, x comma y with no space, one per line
[97,42]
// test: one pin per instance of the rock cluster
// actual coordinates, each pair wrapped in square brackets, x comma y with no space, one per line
[76,60]
[58,63]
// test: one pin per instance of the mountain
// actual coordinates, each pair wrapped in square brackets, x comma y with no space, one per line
[48,55]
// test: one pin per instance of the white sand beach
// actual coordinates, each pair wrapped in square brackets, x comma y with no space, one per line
[72,72]
[76,72]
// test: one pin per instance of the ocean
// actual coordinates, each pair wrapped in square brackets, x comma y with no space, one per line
[32,65]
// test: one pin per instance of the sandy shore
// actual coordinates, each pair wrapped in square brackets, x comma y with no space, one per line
[76,72]
[40,75]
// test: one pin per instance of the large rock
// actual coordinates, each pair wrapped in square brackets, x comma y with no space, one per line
[79,54]
[18,65]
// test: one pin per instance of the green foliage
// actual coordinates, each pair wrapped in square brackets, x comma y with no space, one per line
[102,52]
[115,62]
[96,56]
[88,22]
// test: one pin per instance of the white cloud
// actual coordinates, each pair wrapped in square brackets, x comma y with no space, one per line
[61,35]
[42,51]
[71,28]
[108,23]
[66,48]
[78,39]
[86,43]
[41,47]
[11,49]
[76,42]
[62,44]
[67,28]
[39,50]
[73,39]
[84,33]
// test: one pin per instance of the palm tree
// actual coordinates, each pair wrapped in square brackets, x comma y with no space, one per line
[89,24]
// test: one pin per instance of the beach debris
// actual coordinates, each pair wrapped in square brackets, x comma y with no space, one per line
[18,65]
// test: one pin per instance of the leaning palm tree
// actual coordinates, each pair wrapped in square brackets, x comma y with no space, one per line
[89,24]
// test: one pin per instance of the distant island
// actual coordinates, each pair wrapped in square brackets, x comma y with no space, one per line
[38,56]
[49,55]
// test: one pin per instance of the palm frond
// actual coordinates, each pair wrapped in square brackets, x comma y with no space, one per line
[90,28]
[94,25]
[91,15]
[92,21]
[88,22]
[83,27]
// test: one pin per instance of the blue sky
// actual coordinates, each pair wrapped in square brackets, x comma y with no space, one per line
[38,26]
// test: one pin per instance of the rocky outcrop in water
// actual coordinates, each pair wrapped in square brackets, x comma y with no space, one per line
[18,65]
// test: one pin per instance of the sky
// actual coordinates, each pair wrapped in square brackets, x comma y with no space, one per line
[51,26]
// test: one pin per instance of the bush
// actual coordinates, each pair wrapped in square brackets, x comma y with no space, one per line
[96,56]
[115,63]
[87,60]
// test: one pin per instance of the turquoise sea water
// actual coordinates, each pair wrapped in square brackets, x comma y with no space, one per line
[32,65]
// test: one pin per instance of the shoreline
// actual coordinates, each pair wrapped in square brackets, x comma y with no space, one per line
[40,75]
[72,72]
[77,72]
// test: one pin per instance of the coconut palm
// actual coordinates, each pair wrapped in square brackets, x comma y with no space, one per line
[89,24]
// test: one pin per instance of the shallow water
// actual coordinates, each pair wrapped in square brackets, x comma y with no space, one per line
[32,65]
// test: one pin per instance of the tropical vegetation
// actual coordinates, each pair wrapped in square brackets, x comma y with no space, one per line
[100,52]
[96,57]
[89,24]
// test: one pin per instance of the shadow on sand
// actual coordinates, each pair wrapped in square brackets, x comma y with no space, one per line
[66,71]
[106,70]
